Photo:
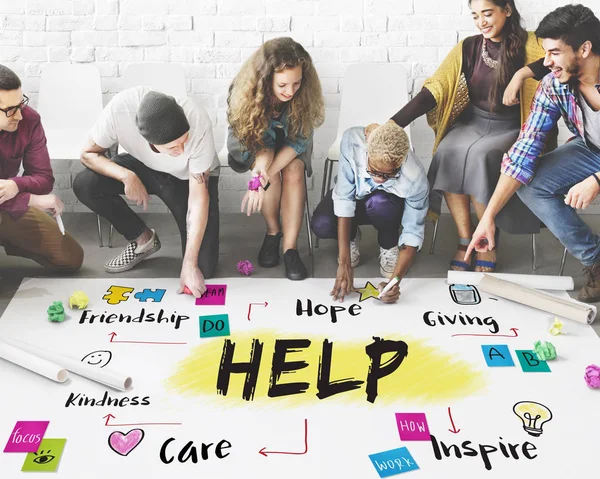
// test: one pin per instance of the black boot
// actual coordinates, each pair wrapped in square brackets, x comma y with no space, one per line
[294,267]
[268,256]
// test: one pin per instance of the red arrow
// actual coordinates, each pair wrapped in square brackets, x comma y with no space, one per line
[109,416]
[264,453]
[113,335]
[453,430]
[514,335]
[265,304]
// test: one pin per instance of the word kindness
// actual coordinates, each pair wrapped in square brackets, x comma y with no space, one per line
[143,317]
[80,399]
[325,386]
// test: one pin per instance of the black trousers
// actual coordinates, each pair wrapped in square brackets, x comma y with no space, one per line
[102,195]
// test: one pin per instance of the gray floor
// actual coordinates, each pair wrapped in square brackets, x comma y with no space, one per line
[241,238]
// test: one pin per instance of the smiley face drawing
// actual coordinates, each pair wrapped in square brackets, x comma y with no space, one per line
[97,358]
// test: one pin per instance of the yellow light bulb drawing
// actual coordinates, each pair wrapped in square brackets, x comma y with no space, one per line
[534,415]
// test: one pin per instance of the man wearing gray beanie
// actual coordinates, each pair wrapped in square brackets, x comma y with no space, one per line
[170,153]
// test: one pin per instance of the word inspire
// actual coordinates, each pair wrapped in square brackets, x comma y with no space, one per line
[82,400]
[484,450]
[431,318]
[143,317]
[321,309]
[326,388]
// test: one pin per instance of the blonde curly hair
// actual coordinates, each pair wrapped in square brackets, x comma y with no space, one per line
[251,100]
[388,145]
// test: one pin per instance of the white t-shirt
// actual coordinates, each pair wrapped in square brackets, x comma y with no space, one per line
[117,125]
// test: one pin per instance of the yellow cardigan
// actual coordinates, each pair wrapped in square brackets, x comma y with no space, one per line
[449,88]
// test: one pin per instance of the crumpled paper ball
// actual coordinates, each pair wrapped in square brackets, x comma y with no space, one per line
[78,300]
[545,350]
[56,312]
[556,328]
[245,267]
[592,376]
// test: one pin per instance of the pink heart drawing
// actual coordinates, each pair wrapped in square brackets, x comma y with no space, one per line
[123,444]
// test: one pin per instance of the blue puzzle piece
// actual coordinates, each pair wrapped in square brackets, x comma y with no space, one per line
[156,295]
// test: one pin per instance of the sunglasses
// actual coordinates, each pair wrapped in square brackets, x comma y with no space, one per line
[11,111]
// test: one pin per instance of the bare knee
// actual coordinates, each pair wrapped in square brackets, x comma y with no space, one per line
[294,171]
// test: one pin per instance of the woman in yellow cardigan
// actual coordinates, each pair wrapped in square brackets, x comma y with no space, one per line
[463,102]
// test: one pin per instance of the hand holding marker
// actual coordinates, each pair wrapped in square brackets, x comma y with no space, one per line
[389,286]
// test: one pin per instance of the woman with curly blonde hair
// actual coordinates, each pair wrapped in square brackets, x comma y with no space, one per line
[274,104]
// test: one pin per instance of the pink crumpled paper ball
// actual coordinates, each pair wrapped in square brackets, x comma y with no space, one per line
[245,267]
[592,376]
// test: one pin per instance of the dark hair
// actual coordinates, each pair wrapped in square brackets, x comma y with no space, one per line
[574,25]
[8,79]
[512,52]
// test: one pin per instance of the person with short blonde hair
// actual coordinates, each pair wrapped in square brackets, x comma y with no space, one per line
[380,182]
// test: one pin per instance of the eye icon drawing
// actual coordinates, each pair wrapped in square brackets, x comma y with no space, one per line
[43,458]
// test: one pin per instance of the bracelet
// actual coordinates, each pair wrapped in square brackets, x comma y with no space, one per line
[596,178]
[254,184]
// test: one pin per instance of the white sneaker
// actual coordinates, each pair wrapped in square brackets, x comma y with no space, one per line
[132,255]
[354,251]
[387,261]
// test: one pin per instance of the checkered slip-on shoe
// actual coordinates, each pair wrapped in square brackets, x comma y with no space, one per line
[132,255]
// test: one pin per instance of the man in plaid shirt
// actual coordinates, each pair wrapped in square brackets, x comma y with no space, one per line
[554,185]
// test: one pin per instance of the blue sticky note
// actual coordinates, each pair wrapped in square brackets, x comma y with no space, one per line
[396,461]
[530,362]
[214,325]
[497,355]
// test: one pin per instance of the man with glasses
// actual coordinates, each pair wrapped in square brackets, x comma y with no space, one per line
[380,182]
[170,153]
[26,229]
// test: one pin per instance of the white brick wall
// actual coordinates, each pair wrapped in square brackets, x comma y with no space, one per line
[211,38]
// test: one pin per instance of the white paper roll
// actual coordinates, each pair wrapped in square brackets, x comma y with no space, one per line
[566,308]
[33,363]
[554,283]
[104,376]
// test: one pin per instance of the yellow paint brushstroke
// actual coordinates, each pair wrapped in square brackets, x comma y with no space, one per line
[426,376]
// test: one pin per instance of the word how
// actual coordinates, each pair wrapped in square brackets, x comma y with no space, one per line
[326,388]
[190,453]
[143,317]
[431,318]
[321,309]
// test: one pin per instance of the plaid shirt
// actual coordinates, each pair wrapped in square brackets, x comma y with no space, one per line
[552,100]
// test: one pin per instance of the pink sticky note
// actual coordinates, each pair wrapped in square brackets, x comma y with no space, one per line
[26,436]
[412,426]
[213,296]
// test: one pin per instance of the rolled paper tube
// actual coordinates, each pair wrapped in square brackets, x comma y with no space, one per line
[554,283]
[566,308]
[100,375]
[33,363]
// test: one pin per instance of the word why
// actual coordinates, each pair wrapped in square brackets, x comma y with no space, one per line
[143,317]
[189,451]
[321,309]
[326,388]
[431,318]
[80,399]
[508,450]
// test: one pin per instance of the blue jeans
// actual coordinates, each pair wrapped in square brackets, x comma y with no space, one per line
[556,173]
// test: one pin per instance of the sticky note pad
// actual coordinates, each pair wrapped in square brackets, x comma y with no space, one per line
[213,296]
[530,362]
[47,458]
[214,325]
[26,436]
[497,355]
[396,461]
[412,426]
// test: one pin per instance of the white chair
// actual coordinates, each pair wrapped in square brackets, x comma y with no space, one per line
[70,102]
[371,93]
[168,78]
[223,154]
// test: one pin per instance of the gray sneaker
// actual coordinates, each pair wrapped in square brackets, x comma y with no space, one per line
[132,255]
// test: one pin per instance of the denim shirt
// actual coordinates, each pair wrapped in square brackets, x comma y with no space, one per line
[354,183]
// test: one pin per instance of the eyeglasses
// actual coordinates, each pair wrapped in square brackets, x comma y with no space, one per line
[11,111]
[384,176]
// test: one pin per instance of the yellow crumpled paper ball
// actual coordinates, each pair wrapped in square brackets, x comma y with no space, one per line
[78,300]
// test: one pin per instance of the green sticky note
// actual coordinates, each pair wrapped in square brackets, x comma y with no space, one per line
[47,458]
[530,362]
[214,325]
